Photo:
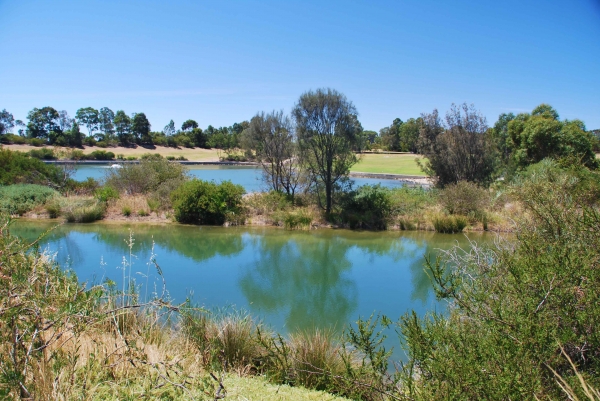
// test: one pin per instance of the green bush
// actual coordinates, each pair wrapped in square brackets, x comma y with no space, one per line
[204,202]
[37,142]
[150,175]
[21,198]
[17,167]
[12,138]
[53,207]
[517,306]
[85,212]
[87,187]
[299,220]
[42,154]
[465,198]
[449,224]
[370,206]
[106,193]
[126,211]
[101,155]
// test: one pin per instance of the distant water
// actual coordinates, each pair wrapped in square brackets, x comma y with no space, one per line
[248,177]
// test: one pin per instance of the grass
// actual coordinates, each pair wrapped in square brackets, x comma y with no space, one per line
[196,154]
[388,164]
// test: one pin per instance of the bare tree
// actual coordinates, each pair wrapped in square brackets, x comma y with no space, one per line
[460,150]
[326,130]
[272,137]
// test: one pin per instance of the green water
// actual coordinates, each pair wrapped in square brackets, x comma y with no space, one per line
[291,280]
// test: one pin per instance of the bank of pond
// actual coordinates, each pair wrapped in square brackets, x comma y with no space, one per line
[291,280]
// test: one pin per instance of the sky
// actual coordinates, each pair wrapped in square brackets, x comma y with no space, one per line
[220,62]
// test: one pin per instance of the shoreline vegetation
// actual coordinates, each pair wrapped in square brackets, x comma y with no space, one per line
[522,314]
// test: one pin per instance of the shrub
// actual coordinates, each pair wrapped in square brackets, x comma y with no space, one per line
[147,176]
[12,138]
[370,206]
[17,167]
[36,142]
[89,141]
[126,211]
[101,155]
[299,220]
[143,213]
[53,207]
[170,158]
[465,198]
[87,187]
[76,154]
[518,306]
[203,202]
[42,154]
[106,193]
[86,211]
[449,224]
[21,198]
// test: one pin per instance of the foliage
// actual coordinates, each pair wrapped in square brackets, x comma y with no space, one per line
[462,150]
[369,206]
[84,210]
[204,202]
[42,154]
[465,198]
[17,167]
[449,224]
[101,155]
[152,173]
[516,305]
[21,198]
[271,136]
[106,193]
[296,220]
[42,122]
[541,134]
[326,127]
[7,122]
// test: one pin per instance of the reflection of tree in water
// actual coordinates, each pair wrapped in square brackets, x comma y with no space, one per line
[304,276]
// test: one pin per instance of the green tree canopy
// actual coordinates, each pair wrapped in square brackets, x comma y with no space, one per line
[89,117]
[42,122]
[326,130]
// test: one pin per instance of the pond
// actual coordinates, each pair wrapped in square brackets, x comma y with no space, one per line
[292,280]
[248,177]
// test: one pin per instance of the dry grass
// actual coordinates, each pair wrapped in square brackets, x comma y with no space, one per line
[196,154]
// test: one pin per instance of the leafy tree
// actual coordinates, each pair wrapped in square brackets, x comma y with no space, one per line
[169,129]
[390,136]
[122,124]
[541,134]
[501,137]
[140,128]
[89,117]
[326,131]
[65,122]
[106,123]
[461,150]
[408,135]
[75,137]
[189,125]
[272,137]
[7,122]
[42,122]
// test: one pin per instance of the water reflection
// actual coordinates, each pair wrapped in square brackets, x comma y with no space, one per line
[292,280]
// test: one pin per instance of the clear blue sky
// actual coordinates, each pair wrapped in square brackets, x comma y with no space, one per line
[221,62]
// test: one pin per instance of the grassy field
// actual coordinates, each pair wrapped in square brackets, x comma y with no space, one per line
[388,164]
[196,154]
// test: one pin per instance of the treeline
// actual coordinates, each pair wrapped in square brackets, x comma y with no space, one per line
[47,126]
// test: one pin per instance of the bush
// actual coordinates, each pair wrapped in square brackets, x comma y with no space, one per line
[21,198]
[449,224]
[87,187]
[465,198]
[518,306]
[53,207]
[203,202]
[151,174]
[12,138]
[299,220]
[106,193]
[101,155]
[36,142]
[42,154]
[370,207]
[126,211]
[86,211]
[89,141]
[17,167]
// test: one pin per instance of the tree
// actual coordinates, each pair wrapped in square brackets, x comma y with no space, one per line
[122,124]
[169,129]
[106,123]
[42,122]
[7,122]
[271,136]
[390,136]
[461,150]
[75,137]
[189,125]
[88,116]
[326,134]
[500,135]
[140,128]
[408,135]
[64,121]
[541,135]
